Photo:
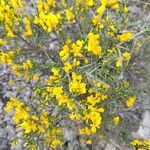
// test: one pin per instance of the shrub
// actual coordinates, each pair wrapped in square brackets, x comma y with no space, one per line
[73,55]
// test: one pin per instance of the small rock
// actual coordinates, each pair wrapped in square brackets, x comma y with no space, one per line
[110,146]
[144,129]
[10,129]
[4,145]
[2,133]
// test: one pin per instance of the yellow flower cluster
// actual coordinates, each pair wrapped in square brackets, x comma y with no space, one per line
[21,116]
[92,115]
[141,144]
[45,5]
[70,16]
[113,4]
[22,70]
[130,101]
[6,58]
[101,9]
[55,143]
[9,15]
[32,123]
[68,66]
[93,44]
[57,91]
[27,27]
[27,65]
[96,22]
[18,69]
[125,36]
[86,3]
[76,85]
[48,20]
[126,57]
[71,49]
[116,120]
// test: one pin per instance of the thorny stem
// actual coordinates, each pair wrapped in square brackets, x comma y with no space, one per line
[50,59]
[81,28]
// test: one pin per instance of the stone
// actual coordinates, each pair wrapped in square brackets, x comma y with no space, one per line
[10,129]
[2,133]
[110,146]
[4,145]
[144,129]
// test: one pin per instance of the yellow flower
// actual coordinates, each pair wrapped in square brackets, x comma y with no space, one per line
[27,65]
[127,56]
[7,58]
[85,130]
[40,5]
[55,71]
[55,143]
[20,114]
[125,9]
[36,77]
[70,16]
[104,2]
[2,42]
[57,91]
[136,142]
[74,116]
[44,119]
[76,86]
[93,44]
[130,101]
[62,99]
[64,53]
[48,21]
[119,63]
[15,142]
[90,3]
[95,20]
[100,10]
[113,4]
[125,36]
[34,117]
[16,69]
[51,21]
[46,6]
[86,61]
[89,142]
[81,131]
[41,129]
[95,119]
[55,77]
[13,103]
[28,126]
[76,48]
[76,63]
[116,120]
[67,67]
[51,2]
[27,27]
[92,100]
